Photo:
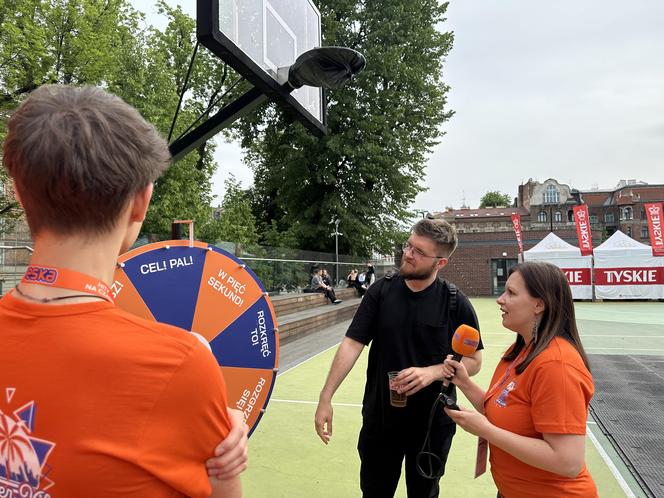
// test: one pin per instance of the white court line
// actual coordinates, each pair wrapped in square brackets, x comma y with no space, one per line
[612,467]
[302,402]
[626,350]
[583,336]
[310,358]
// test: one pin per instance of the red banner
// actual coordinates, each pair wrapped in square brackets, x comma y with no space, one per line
[630,276]
[654,215]
[583,229]
[516,222]
[577,276]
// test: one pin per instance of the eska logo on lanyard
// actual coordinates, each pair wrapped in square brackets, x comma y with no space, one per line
[67,279]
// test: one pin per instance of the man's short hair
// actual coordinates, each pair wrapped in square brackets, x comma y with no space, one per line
[77,155]
[440,232]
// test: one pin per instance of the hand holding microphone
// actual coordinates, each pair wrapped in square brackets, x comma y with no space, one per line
[465,341]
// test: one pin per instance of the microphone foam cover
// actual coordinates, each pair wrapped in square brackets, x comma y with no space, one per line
[465,340]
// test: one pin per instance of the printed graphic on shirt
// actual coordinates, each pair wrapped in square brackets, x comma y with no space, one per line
[502,399]
[23,455]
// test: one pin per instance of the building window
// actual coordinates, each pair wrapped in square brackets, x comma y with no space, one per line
[643,213]
[570,215]
[558,217]
[609,218]
[627,213]
[551,196]
[541,217]
[644,232]
[593,219]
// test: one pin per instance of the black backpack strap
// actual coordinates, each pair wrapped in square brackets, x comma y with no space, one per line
[453,296]
[387,279]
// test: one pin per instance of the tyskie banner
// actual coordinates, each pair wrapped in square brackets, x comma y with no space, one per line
[654,215]
[581,218]
[516,222]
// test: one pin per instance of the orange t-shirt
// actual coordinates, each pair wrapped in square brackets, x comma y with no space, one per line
[97,402]
[550,396]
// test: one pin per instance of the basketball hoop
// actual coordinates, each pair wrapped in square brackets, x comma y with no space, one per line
[325,67]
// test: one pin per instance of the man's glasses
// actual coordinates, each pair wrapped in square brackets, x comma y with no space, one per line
[407,246]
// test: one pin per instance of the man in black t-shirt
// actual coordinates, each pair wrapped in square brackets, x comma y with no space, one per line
[409,321]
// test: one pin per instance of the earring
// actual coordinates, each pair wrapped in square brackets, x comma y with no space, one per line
[536,325]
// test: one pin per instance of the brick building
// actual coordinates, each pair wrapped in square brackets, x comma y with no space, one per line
[487,244]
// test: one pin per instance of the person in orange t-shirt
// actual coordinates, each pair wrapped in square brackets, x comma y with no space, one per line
[93,400]
[534,413]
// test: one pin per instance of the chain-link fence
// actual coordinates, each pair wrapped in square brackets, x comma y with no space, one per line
[280,269]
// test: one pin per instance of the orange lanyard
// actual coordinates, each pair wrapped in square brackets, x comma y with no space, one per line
[67,279]
[499,383]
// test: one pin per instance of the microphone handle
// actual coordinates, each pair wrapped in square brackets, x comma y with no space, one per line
[456,357]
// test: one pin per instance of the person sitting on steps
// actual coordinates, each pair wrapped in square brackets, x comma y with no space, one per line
[317,285]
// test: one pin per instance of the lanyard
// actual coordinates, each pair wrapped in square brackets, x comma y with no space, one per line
[499,383]
[67,279]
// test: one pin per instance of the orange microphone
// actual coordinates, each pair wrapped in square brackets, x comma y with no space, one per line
[464,342]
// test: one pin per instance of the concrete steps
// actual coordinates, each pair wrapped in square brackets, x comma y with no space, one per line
[302,314]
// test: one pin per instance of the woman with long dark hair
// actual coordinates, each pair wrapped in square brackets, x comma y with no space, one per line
[534,413]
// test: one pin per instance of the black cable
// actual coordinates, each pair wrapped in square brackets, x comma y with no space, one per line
[433,461]
[184,89]
[235,83]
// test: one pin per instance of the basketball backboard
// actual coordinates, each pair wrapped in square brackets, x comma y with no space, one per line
[261,39]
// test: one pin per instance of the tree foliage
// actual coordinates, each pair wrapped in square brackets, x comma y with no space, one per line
[370,167]
[494,199]
[107,44]
[236,222]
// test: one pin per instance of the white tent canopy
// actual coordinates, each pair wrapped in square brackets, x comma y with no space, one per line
[626,269]
[567,257]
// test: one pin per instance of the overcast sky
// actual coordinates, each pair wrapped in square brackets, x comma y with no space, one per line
[571,89]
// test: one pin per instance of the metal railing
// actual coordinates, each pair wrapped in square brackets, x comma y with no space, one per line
[13,262]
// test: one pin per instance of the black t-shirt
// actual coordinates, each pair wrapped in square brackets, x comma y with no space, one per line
[406,329]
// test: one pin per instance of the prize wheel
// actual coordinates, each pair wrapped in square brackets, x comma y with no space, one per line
[206,290]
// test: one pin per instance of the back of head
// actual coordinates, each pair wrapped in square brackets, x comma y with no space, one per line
[77,155]
[440,232]
[548,283]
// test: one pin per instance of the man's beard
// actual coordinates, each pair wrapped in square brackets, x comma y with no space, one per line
[416,274]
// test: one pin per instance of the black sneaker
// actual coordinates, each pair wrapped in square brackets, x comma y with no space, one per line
[337,301]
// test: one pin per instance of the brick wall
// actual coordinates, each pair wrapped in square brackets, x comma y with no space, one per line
[470,265]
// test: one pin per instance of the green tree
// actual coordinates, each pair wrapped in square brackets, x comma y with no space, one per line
[370,167]
[495,199]
[106,44]
[236,222]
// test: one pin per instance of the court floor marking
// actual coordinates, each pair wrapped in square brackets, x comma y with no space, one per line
[626,350]
[609,463]
[302,402]
[307,359]
[650,370]
[583,336]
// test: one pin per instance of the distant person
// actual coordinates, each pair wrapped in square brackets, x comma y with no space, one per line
[327,280]
[317,285]
[409,320]
[370,276]
[351,278]
[120,406]
[353,283]
[366,279]
[535,410]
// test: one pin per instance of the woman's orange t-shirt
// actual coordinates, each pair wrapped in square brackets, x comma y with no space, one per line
[551,396]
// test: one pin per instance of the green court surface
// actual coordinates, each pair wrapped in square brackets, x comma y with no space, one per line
[288,460]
